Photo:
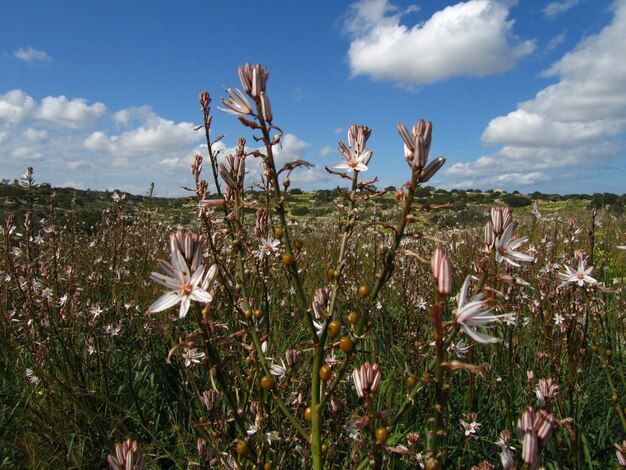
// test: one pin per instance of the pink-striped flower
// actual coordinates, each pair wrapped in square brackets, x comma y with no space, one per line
[184,286]
[476,313]
[237,103]
[507,246]
[366,379]
[355,155]
[580,276]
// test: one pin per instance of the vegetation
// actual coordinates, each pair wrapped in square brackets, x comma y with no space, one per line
[345,328]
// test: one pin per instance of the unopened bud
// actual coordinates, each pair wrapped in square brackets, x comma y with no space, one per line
[432,168]
[444,281]
[266,108]
[435,260]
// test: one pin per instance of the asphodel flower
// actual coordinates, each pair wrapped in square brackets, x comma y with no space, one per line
[237,103]
[580,276]
[355,155]
[184,286]
[534,430]
[366,379]
[507,246]
[127,456]
[476,313]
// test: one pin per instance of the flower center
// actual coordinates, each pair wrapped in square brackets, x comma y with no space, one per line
[185,289]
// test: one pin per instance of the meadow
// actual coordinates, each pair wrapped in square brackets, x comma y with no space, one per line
[256,326]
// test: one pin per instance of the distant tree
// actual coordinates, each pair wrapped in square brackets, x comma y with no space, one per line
[295,191]
[390,188]
[515,200]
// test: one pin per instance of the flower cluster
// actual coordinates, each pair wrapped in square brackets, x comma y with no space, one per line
[534,428]
[366,379]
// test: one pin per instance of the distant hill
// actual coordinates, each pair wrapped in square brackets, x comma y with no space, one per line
[88,205]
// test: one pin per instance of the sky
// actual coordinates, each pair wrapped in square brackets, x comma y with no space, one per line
[523,95]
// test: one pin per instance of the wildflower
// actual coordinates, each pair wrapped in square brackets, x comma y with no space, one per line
[321,302]
[471,425]
[184,287]
[547,390]
[366,379]
[319,327]
[355,155]
[620,452]
[211,400]
[267,246]
[293,357]
[460,349]
[278,370]
[192,356]
[127,457]
[505,456]
[31,377]
[559,319]
[420,303]
[476,313]
[506,247]
[237,103]
[253,79]
[534,430]
[579,276]
[441,271]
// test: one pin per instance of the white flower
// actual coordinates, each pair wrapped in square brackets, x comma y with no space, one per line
[580,276]
[279,370]
[192,356]
[460,349]
[506,247]
[237,103]
[184,287]
[476,313]
[268,246]
[353,162]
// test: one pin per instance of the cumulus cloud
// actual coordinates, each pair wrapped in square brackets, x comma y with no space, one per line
[58,135]
[575,123]
[155,135]
[553,9]
[16,106]
[473,38]
[73,113]
[32,56]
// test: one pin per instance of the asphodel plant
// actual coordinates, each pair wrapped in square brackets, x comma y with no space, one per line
[259,280]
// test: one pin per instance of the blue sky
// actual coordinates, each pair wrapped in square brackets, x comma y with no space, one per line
[524,95]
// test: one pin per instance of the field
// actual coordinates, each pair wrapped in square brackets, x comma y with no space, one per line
[263,327]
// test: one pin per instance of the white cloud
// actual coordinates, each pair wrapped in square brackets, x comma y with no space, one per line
[58,135]
[15,105]
[553,9]
[556,41]
[472,38]
[26,153]
[32,56]
[576,123]
[156,136]
[76,164]
[73,113]
[326,151]
[34,135]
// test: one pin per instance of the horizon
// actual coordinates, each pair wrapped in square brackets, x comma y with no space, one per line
[522,97]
